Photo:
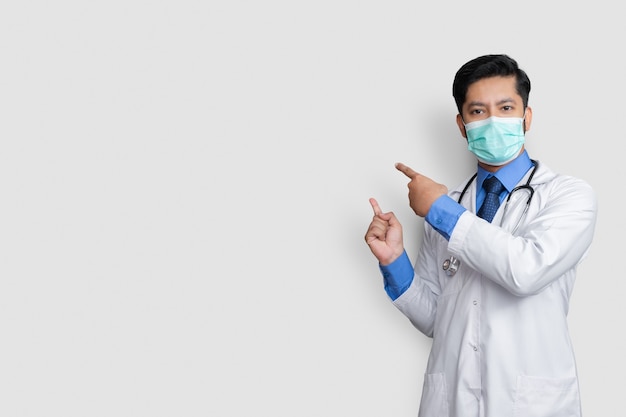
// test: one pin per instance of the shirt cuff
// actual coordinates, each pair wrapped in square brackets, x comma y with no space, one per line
[397,276]
[443,215]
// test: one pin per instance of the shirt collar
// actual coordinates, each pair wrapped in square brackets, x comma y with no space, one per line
[510,174]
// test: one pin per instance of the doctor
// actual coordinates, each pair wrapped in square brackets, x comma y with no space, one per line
[492,293]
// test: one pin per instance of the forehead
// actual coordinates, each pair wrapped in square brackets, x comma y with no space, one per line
[492,89]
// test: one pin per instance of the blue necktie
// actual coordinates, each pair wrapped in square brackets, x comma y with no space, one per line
[494,187]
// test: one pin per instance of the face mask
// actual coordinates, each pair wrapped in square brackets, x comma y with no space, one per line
[495,140]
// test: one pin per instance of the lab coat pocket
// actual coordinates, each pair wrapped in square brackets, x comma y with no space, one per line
[434,396]
[546,397]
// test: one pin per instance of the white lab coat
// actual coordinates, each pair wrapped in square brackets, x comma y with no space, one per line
[501,346]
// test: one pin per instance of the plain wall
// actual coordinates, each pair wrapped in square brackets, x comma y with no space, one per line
[184,193]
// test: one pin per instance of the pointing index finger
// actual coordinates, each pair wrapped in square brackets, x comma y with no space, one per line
[375,206]
[406,170]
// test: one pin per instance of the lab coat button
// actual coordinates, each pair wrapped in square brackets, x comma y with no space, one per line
[475,302]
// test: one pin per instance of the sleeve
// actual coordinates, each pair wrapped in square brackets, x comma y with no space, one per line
[553,239]
[419,302]
[444,214]
[397,276]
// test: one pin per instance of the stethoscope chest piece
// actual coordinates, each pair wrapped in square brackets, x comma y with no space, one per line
[451,265]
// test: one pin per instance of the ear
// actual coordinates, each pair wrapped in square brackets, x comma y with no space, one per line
[459,123]
[528,118]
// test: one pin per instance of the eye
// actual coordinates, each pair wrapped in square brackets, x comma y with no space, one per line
[476,111]
[507,108]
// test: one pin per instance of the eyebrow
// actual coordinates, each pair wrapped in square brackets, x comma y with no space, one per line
[481,104]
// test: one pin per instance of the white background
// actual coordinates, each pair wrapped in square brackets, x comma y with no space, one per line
[184,193]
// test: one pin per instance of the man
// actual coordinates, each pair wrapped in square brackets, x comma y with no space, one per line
[492,293]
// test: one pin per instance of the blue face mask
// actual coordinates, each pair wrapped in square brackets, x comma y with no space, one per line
[495,140]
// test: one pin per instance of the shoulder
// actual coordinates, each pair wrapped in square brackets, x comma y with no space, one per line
[563,186]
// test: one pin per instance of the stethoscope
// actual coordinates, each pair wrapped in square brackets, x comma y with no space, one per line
[451,265]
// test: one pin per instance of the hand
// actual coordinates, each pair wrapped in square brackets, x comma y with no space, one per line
[384,235]
[422,190]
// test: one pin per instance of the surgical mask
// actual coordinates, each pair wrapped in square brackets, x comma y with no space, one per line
[495,140]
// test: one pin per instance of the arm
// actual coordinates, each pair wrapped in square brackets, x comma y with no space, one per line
[414,296]
[552,240]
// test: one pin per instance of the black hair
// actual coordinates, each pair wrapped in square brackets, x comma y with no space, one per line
[489,66]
